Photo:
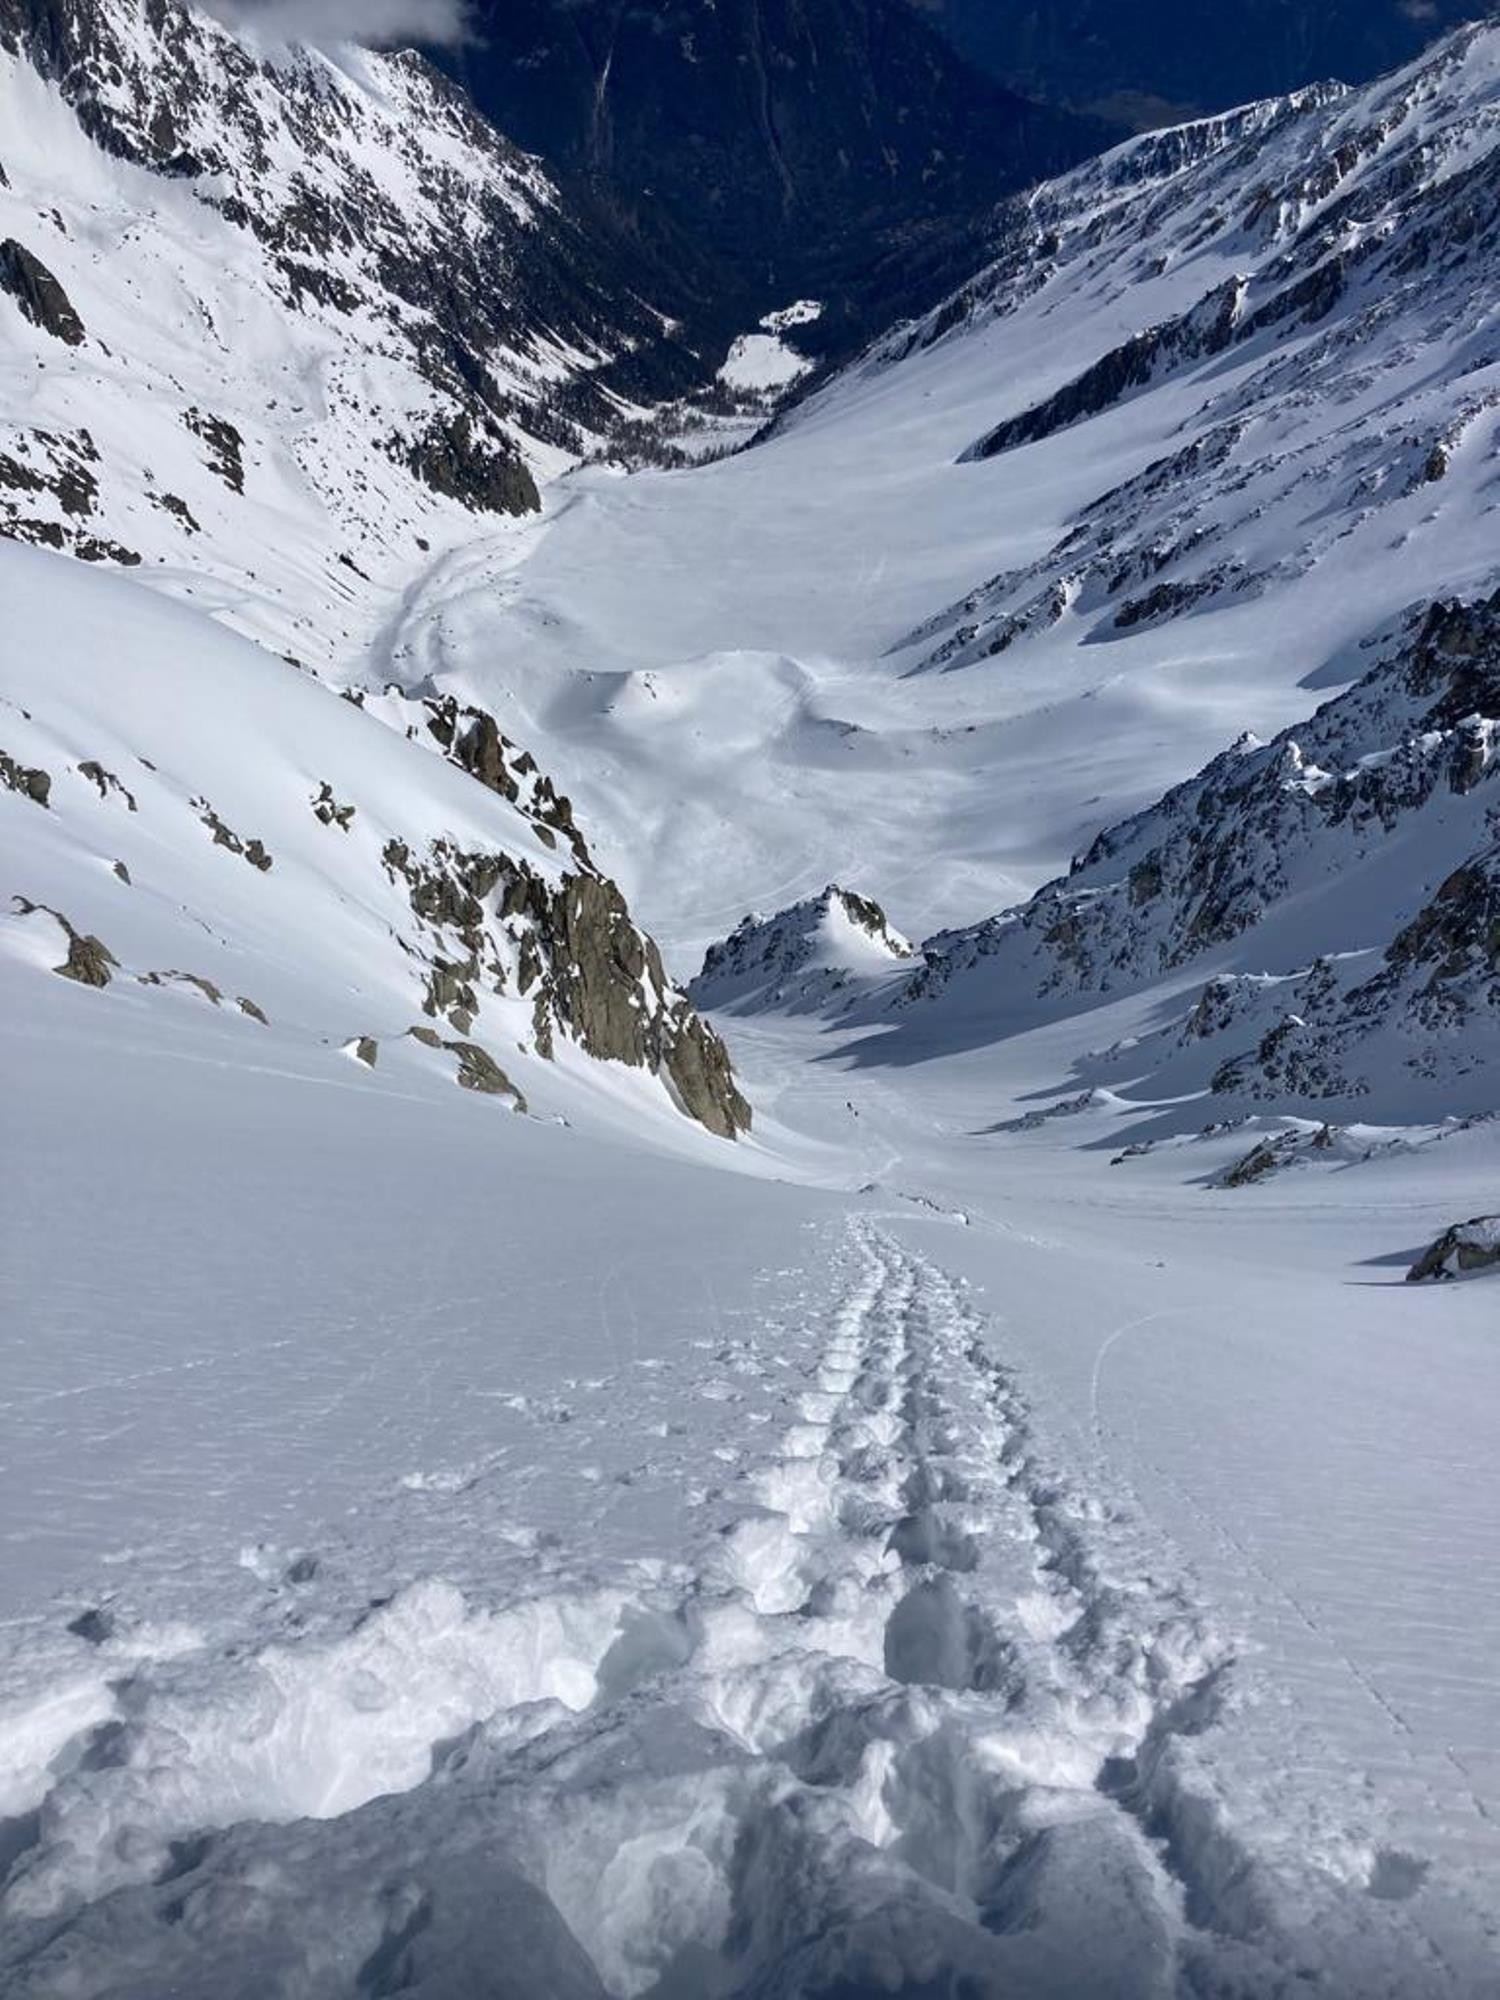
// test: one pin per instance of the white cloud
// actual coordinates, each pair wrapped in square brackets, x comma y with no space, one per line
[328,23]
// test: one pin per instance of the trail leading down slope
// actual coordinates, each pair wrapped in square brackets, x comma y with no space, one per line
[918,1716]
[471,1529]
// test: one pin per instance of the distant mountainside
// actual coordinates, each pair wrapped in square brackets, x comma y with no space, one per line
[1341,885]
[1268,386]
[756,151]
[803,959]
[1154,62]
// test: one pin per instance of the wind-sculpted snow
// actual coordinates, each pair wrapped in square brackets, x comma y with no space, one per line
[916,1711]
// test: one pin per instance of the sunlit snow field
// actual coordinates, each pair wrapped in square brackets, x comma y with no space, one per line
[448,1550]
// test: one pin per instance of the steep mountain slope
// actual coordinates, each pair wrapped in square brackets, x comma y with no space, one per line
[1319,349]
[217,853]
[271,325]
[1343,882]
[459,1549]
[1170,59]
[758,151]
[275,322]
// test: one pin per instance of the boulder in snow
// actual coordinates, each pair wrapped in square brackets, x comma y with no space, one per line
[1460,1251]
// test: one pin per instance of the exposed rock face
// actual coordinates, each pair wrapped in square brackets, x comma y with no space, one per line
[471,738]
[106,782]
[60,468]
[1466,1248]
[494,925]
[328,811]
[89,962]
[38,294]
[1272,1155]
[422,861]
[475,464]
[28,779]
[608,984]
[226,447]
[253,850]
[477,1069]
[1207,330]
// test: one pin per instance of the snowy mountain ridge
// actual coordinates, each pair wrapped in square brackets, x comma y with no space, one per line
[1319,415]
[1342,879]
[274,325]
[1315,273]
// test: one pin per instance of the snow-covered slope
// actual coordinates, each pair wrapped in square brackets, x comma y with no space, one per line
[988,1527]
[216,852]
[1308,289]
[274,321]
[1340,883]
[272,324]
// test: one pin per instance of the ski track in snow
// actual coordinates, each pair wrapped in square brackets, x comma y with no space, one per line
[920,1717]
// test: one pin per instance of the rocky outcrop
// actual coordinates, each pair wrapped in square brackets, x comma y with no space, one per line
[327,810]
[225,447]
[471,738]
[106,782]
[490,924]
[470,462]
[1462,1251]
[38,294]
[49,490]
[477,1069]
[825,952]
[89,962]
[253,850]
[28,779]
